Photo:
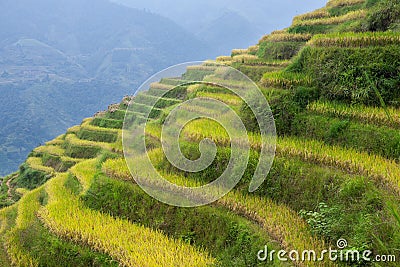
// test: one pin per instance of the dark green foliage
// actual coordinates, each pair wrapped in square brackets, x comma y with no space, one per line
[155,113]
[342,10]
[176,93]
[341,73]
[30,178]
[179,92]
[254,72]
[305,95]
[283,107]
[73,184]
[107,123]
[302,186]
[368,206]
[231,239]
[314,29]
[56,162]
[116,115]
[97,136]
[279,50]
[166,102]
[384,15]
[81,152]
[377,140]
[5,199]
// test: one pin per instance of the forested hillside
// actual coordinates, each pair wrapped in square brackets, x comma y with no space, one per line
[62,61]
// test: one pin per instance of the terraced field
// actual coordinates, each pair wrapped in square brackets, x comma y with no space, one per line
[335,176]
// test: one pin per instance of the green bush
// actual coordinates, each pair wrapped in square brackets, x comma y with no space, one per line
[342,10]
[350,74]
[283,107]
[81,152]
[384,15]
[305,95]
[279,50]
[254,72]
[116,115]
[97,136]
[56,163]
[313,29]
[30,178]
[107,123]
[377,140]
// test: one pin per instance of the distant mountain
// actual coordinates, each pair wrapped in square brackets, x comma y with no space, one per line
[199,16]
[233,27]
[61,61]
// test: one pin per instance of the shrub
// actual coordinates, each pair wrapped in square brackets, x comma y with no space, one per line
[97,136]
[351,74]
[355,39]
[335,20]
[305,95]
[285,80]
[30,178]
[386,13]
[363,137]
[81,152]
[278,50]
[107,123]
[116,115]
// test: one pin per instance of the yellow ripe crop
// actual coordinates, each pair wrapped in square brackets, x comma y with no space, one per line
[281,223]
[285,80]
[27,207]
[287,37]
[73,139]
[57,141]
[372,115]
[229,99]
[236,52]
[130,244]
[117,169]
[36,164]
[161,86]
[86,124]
[350,160]
[85,172]
[353,15]
[50,149]
[317,14]
[341,3]
[355,39]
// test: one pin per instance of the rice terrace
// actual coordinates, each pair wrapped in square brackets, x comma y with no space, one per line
[331,180]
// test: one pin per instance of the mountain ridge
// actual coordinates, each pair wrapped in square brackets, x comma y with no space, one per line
[335,174]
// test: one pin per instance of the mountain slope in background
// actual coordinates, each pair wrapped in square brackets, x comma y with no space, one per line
[200,16]
[61,61]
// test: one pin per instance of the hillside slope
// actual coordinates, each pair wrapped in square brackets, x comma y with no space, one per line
[334,95]
[61,61]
